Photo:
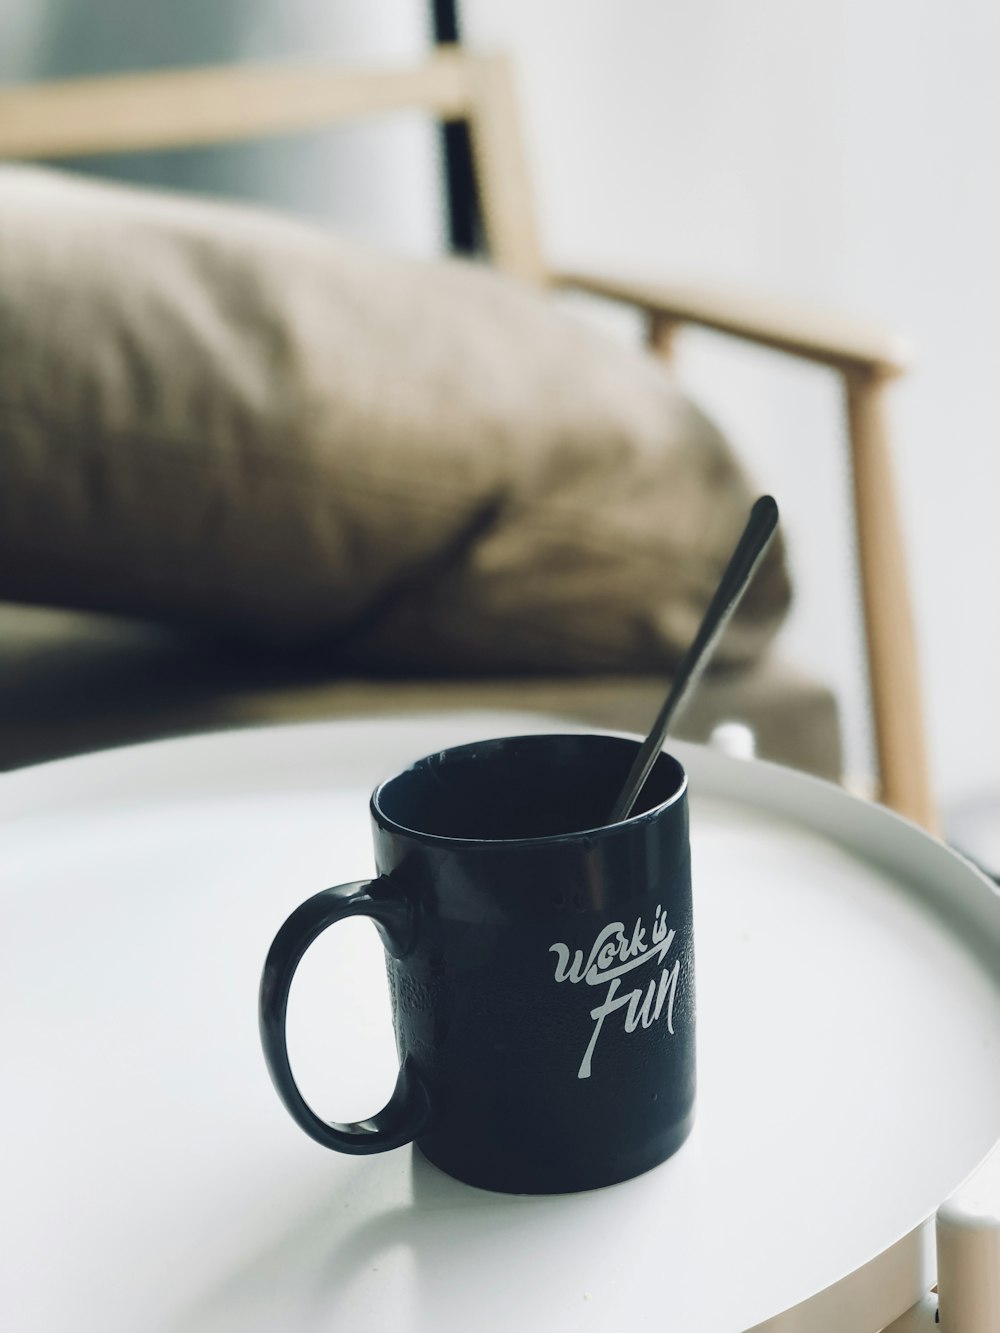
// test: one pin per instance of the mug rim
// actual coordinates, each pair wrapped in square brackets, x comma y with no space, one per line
[386,822]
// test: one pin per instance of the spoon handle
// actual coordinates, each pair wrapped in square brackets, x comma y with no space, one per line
[743,563]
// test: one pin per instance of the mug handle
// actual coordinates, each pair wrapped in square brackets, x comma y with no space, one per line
[407,1113]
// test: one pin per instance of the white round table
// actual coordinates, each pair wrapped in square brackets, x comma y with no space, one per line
[848,972]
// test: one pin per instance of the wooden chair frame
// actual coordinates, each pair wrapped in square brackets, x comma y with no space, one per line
[188,107]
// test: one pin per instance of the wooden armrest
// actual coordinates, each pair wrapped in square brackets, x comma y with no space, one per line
[814,335]
[180,108]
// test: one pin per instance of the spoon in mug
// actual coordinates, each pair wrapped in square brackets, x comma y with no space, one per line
[742,566]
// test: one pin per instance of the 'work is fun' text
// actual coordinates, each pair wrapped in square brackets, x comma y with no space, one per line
[615,954]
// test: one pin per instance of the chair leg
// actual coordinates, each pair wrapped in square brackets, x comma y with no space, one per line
[904,780]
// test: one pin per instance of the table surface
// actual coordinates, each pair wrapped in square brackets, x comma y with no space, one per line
[848,1039]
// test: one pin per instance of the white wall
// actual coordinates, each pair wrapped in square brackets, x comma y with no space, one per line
[846,153]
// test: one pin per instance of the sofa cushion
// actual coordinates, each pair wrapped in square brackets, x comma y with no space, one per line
[217,417]
[74,681]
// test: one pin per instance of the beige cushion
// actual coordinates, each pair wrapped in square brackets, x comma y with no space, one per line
[212,416]
[74,682]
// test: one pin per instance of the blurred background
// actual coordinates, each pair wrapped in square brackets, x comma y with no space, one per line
[843,153]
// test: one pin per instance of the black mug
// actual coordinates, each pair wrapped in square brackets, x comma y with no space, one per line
[540,965]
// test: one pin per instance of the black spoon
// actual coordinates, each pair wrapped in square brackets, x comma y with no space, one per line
[742,565]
